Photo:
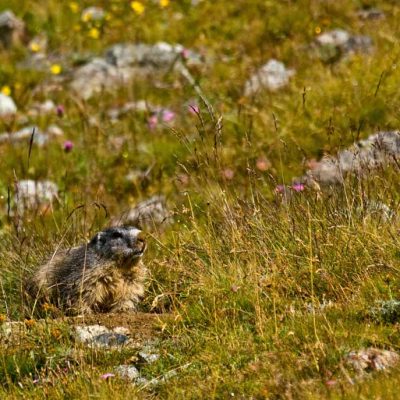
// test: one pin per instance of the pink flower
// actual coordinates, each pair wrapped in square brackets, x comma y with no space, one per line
[107,375]
[330,382]
[298,187]
[152,122]
[68,146]
[263,164]
[280,189]
[194,108]
[60,110]
[168,115]
[185,53]
[228,174]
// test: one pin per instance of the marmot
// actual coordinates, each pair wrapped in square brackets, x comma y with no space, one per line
[105,275]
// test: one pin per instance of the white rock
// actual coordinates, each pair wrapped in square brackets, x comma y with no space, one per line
[151,214]
[92,14]
[31,194]
[7,106]
[11,28]
[273,76]
[128,372]
[100,336]
[336,37]
[371,359]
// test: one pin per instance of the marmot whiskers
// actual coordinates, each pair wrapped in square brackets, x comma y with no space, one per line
[105,275]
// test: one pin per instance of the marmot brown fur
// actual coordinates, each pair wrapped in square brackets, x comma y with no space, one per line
[105,275]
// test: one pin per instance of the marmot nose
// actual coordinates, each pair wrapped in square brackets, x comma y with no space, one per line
[141,241]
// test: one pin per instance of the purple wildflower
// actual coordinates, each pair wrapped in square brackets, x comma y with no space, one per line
[60,110]
[152,122]
[280,189]
[185,53]
[68,146]
[298,187]
[107,375]
[168,115]
[194,108]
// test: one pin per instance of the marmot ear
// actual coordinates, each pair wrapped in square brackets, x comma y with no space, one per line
[96,240]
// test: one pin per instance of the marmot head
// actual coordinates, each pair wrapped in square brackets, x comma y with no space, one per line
[124,244]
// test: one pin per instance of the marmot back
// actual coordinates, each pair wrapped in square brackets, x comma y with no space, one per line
[105,275]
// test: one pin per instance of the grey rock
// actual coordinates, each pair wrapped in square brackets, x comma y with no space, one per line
[96,76]
[11,28]
[46,107]
[128,372]
[378,210]
[132,106]
[23,135]
[7,106]
[101,336]
[361,158]
[30,194]
[151,214]
[371,359]
[122,62]
[159,55]
[371,14]
[92,14]
[272,76]
[148,355]
[386,311]
[341,42]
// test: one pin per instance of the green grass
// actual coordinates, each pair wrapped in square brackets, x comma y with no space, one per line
[243,273]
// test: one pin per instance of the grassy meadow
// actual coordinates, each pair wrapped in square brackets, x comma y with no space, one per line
[265,295]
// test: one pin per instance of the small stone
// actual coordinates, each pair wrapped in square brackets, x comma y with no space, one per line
[337,42]
[110,339]
[272,76]
[7,106]
[371,14]
[101,336]
[85,334]
[151,214]
[30,194]
[92,14]
[23,134]
[128,372]
[371,359]
[148,355]
[46,107]
[386,311]
[11,29]
[378,150]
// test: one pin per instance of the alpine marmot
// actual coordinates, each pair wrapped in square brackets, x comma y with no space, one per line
[105,275]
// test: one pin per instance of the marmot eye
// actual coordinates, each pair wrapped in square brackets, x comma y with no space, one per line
[116,235]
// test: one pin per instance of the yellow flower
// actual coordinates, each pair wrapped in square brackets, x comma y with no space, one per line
[94,33]
[35,47]
[74,6]
[6,90]
[138,7]
[55,69]
[29,323]
[164,3]
[317,30]
[2,317]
